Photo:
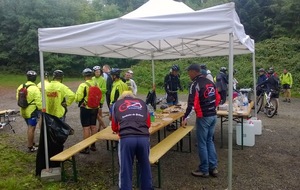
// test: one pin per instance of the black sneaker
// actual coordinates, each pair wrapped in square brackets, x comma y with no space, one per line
[198,173]
[85,151]
[214,172]
[32,149]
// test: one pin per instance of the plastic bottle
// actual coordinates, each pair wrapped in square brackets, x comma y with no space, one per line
[240,102]
[245,103]
[151,111]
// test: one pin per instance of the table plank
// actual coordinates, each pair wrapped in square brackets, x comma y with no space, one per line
[244,114]
[108,134]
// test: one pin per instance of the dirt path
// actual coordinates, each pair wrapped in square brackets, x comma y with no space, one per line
[273,163]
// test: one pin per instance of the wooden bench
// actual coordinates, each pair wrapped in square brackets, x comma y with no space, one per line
[166,144]
[69,155]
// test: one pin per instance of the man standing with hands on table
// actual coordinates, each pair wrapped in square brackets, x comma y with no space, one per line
[203,98]
[131,120]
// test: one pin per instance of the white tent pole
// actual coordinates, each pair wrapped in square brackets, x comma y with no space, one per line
[230,116]
[44,109]
[254,81]
[153,74]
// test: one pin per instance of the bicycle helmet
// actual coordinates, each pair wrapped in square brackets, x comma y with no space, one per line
[87,72]
[58,74]
[261,70]
[31,75]
[116,72]
[223,69]
[175,68]
[96,68]
[271,70]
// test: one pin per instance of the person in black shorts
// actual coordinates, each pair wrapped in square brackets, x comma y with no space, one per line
[88,116]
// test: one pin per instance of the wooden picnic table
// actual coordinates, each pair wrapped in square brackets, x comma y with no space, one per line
[160,123]
[238,117]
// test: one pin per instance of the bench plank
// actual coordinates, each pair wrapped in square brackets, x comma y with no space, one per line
[166,144]
[69,152]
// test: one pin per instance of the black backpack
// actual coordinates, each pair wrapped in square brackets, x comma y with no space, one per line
[275,82]
[22,96]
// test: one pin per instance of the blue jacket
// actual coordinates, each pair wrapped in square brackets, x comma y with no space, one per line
[261,79]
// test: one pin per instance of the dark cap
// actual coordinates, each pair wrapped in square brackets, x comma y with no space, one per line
[194,67]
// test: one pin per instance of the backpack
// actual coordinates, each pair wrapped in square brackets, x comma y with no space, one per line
[22,96]
[94,96]
[276,83]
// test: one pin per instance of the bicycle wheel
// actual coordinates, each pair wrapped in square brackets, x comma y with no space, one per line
[272,108]
[259,102]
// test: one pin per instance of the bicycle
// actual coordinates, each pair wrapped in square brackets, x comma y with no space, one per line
[271,104]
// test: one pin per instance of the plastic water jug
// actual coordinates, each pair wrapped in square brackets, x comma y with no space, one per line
[257,125]
[248,133]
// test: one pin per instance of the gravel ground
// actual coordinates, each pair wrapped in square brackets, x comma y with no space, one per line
[273,163]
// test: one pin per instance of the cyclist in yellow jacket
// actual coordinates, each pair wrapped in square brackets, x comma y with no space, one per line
[118,86]
[88,116]
[30,113]
[46,80]
[99,79]
[58,96]
[286,81]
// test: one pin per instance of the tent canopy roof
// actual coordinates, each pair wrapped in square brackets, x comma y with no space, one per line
[159,33]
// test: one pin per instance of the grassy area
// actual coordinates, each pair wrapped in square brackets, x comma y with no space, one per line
[18,168]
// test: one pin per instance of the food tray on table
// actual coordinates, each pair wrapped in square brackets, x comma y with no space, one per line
[161,115]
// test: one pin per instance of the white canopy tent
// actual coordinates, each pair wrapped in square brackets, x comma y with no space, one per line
[159,29]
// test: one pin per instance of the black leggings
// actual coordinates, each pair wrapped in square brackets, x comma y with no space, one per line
[223,95]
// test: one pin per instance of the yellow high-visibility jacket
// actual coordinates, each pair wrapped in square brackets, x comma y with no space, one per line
[34,97]
[57,95]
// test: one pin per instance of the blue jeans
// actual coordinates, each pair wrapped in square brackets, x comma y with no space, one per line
[206,148]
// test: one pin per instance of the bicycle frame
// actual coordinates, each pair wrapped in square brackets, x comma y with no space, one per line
[270,106]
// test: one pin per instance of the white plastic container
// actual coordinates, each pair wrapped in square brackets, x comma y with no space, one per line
[248,133]
[257,125]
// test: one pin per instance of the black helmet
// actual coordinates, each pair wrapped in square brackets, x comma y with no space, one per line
[96,68]
[87,72]
[261,70]
[271,70]
[175,68]
[203,66]
[58,74]
[31,75]
[115,71]
[223,69]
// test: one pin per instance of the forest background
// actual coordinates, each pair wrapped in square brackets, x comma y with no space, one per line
[273,24]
